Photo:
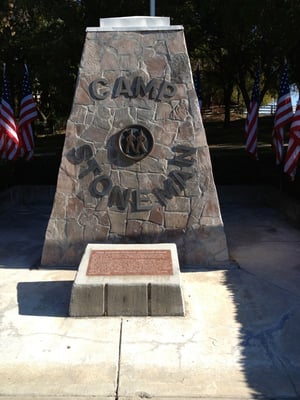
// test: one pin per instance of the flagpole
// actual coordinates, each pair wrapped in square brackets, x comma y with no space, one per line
[152,8]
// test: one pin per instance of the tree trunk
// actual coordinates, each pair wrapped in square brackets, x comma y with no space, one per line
[242,87]
[228,88]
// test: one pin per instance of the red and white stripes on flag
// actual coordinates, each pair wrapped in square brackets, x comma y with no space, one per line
[28,113]
[2,139]
[9,141]
[11,150]
[252,119]
[293,151]
[283,116]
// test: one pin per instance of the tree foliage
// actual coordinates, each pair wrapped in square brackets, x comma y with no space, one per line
[233,38]
[228,39]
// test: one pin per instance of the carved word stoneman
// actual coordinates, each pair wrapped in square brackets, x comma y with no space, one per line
[101,185]
[156,89]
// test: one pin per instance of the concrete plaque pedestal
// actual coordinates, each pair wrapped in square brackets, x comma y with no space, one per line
[132,280]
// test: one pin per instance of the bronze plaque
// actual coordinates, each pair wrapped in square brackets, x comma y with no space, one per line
[135,142]
[129,262]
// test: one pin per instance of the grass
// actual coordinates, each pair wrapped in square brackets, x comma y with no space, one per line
[231,165]
[234,134]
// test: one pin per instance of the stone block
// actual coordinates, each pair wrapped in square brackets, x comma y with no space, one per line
[179,204]
[176,220]
[74,206]
[153,165]
[82,96]
[87,300]
[118,222]
[128,61]
[60,211]
[165,300]
[157,215]
[163,112]
[133,228]
[128,179]
[157,66]
[151,230]
[127,299]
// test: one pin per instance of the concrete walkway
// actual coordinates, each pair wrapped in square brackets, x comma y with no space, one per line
[240,338]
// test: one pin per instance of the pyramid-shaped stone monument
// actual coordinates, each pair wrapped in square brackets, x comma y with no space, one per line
[135,166]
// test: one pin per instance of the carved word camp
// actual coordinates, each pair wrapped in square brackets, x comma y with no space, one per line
[155,89]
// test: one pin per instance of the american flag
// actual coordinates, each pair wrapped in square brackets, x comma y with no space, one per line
[197,84]
[293,151]
[9,139]
[28,113]
[252,119]
[283,115]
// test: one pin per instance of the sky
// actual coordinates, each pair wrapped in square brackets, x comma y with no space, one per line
[294,96]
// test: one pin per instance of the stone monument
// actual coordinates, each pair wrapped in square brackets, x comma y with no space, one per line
[135,167]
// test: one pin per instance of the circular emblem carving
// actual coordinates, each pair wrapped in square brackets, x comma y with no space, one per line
[135,142]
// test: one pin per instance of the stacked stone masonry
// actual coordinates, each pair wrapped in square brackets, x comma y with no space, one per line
[135,79]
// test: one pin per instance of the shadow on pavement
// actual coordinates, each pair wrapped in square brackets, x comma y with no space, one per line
[24,216]
[269,319]
[44,299]
[264,291]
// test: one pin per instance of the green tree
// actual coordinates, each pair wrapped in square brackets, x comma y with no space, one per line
[49,41]
[228,38]
[232,38]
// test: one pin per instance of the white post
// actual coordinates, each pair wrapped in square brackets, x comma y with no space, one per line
[152,8]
